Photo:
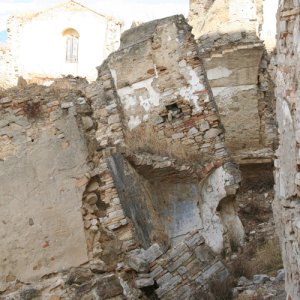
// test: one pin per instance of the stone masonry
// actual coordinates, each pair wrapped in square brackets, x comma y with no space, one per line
[286,203]
[237,63]
[123,188]
[170,118]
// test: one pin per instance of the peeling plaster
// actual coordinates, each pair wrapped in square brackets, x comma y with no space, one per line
[213,191]
[217,73]
[131,100]
[194,85]
[229,91]
[134,121]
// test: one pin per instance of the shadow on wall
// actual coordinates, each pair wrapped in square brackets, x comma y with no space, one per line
[181,207]
[237,66]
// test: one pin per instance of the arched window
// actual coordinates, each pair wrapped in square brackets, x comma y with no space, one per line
[72,38]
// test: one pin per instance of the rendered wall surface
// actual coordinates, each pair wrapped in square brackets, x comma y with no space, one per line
[38,44]
[40,164]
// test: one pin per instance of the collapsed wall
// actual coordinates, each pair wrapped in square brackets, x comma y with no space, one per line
[171,119]
[286,203]
[237,63]
[126,187]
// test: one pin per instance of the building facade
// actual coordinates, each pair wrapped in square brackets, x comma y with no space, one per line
[66,39]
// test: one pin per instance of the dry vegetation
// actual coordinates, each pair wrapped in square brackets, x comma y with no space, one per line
[221,289]
[147,139]
[258,259]
[32,109]
[258,296]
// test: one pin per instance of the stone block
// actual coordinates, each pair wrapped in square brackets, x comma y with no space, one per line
[116,214]
[144,282]
[138,263]
[178,136]
[193,131]
[172,266]
[178,250]
[211,133]
[260,278]
[157,272]
[217,269]
[113,119]
[164,279]
[168,286]
[29,294]
[79,276]
[195,240]
[66,105]
[91,198]
[152,253]
[87,123]
[204,126]
[98,266]
[108,287]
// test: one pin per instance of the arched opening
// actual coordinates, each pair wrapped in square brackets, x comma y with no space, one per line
[72,40]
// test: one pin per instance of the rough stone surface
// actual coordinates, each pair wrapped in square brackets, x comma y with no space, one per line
[149,90]
[151,200]
[260,278]
[236,63]
[40,207]
[286,203]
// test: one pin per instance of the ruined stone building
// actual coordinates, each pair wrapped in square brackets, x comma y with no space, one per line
[97,189]
[126,187]
[236,61]
[66,39]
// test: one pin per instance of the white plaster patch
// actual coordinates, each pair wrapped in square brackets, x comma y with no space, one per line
[213,191]
[231,90]
[114,76]
[217,73]
[145,103]
[194,85]
[134,121]
[155,70]
[129,99]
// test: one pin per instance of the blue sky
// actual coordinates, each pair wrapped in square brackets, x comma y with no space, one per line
[127,10]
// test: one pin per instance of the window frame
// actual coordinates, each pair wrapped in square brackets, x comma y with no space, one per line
[72,45]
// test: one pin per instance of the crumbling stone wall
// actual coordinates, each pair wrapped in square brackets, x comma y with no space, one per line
[170,118]
[237,70]
[237,63]
[128,245]
[286,203]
